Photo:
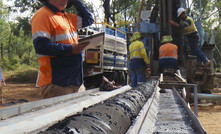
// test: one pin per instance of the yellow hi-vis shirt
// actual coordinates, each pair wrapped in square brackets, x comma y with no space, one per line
[191,28]
[138,53]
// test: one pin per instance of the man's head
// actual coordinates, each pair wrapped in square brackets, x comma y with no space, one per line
[181,13]
[60,4]
[136,36]
[166,39]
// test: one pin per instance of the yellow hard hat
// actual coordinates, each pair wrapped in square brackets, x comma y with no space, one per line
[135,36]
[166,39]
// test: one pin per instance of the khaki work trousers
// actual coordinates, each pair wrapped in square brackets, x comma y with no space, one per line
[51,90]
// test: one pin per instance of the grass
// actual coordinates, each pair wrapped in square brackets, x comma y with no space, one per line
[25,75]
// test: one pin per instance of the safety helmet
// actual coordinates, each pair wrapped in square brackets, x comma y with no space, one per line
[135,36]
[180,11]
[166,39]
[70,2]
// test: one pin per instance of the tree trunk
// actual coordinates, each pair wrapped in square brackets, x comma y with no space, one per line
[2,55]
[125,15]
[114,13]
[106,6]
[9,44]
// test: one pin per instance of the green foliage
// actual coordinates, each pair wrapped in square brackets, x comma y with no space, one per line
[132,12]
[3,11]
[11,64]
[118,6]
[20,50]
[24,24]
[16,46]
[30,5]
[34,5]
[4,30]
[210,11]
[211,18]
[217,52]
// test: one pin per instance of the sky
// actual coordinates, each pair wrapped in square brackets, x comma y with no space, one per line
[100,13]
[96,2]
[5,2]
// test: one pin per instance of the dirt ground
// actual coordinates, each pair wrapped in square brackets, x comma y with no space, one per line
[209,115]
[12,93]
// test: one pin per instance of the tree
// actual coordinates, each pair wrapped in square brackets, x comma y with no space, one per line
[30,5]
[210,12]
[217,51]
[16,45]
[4,28]
[106,5]
[33,5]
[3,11]
[210,18]
[117,6]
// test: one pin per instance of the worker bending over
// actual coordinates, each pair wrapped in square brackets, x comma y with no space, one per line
[55,39]
[167,54]
[138,60]
[191,33]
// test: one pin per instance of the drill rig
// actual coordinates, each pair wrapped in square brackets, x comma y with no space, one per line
[156,25]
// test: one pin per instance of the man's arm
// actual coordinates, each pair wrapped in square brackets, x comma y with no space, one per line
[144,53]
[184,24]
[174,24]
[84,13]
[44,46]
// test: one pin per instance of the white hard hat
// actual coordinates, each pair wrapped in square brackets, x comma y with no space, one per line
[180,11]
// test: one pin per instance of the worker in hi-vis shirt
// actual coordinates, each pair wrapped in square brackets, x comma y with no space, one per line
[191,34]
[138,60]
[55,39]
[167,54]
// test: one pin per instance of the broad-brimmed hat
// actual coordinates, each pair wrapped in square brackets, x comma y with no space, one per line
[135,36]
[70,2]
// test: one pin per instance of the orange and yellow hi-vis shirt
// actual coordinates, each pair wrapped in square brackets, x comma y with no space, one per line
[57,64]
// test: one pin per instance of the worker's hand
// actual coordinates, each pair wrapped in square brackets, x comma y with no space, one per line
[171,22]
[147,66]
[78,48]
[148,73]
